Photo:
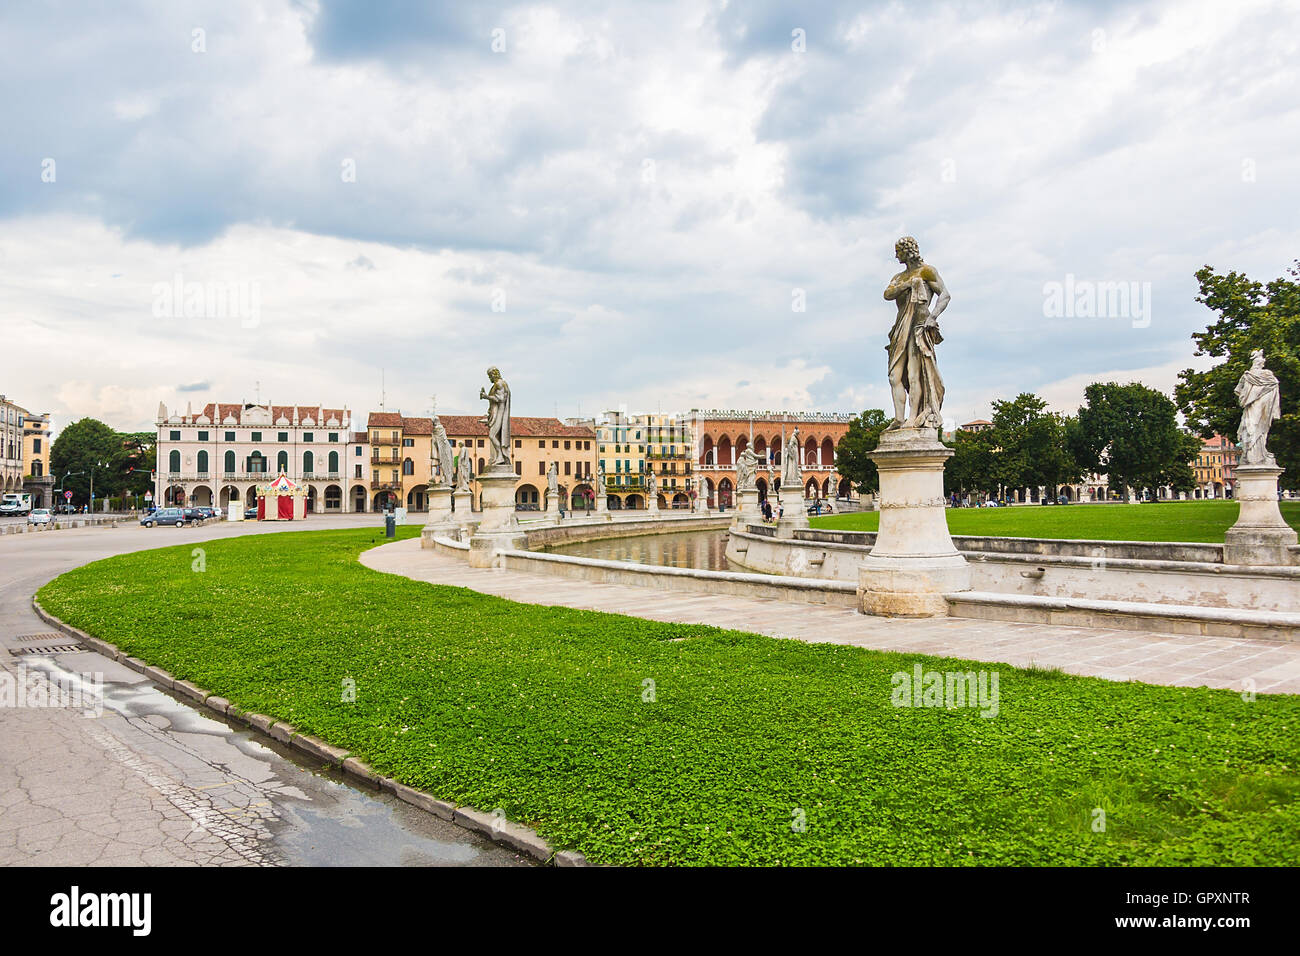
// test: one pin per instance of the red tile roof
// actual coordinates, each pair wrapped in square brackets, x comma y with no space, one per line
[385,420]
[460,426]
[217,413]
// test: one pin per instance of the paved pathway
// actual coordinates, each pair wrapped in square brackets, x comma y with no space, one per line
[1181,660]
[154,781]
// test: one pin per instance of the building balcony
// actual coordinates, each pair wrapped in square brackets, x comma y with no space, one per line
[377,484]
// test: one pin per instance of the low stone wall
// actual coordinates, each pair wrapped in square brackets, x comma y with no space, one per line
[1144,572]
[684,579]
[572,532]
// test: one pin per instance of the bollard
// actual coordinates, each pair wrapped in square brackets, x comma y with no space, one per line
[390,526]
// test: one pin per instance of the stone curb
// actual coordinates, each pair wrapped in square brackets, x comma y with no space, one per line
[500,830]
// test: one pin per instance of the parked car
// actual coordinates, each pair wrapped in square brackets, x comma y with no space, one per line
[176,516]
[250,513]
[206,514]
[40,516]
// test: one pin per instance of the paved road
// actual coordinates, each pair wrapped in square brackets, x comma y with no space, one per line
[154,781]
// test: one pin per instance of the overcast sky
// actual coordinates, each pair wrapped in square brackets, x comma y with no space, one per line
[623,203]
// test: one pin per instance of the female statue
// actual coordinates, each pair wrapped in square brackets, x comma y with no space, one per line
[1261,403]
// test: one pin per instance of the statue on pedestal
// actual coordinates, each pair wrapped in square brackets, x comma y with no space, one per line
[1261,404]
[913,373]
[498,422]
[552,486]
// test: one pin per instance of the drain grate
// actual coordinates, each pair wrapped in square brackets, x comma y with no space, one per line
[48,643]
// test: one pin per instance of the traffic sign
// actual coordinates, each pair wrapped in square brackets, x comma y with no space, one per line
[148,496]
[67,496]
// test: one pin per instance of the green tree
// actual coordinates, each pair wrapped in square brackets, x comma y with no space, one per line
[1250,316]
[973,466]
[1030,443]
[851,453]
[85,447]
[1130,434]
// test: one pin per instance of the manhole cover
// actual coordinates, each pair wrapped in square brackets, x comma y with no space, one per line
[49,643]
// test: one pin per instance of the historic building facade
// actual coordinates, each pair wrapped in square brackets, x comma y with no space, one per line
[25,453]
[721,435]
[223,452]
[403,466]
[1216,468]
[632,447]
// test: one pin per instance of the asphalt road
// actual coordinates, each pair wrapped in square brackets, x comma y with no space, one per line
[153,781]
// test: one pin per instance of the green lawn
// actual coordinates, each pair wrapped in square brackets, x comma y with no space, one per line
[1164,521]
[541,712]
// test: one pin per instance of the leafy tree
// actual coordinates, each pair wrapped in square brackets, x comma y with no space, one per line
[88,446]
[1251,316]
[1030,443]
[1130,434]
[851,453]
[973,467]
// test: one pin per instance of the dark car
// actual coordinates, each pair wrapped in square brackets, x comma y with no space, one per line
[176,516]
[205,513]
[250,513]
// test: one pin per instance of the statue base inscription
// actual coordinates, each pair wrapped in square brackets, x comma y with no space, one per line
[914,562]
[1260,536]
[498,527]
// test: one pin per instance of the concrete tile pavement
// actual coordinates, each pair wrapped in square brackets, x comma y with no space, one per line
[1178,660]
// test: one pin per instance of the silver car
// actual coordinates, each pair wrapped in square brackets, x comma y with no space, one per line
[40,516]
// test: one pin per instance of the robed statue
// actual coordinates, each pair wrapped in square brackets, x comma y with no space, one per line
[747,470]
[464,470]
[791,473]
[913,373]
[442,447]
[498,422]
[1261,405]
[552,485]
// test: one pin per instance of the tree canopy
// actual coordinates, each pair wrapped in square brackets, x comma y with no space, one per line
[1130,434]
[851,453]
[1251,316]
[120,462]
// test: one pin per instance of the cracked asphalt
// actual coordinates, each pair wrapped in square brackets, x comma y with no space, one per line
[150,780]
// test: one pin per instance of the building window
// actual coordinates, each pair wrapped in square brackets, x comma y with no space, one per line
[358,451]
[282,462]
[480,466]
[230,462]
[36,446]
[174,462]
[586,446]
[519,468]
[334,436]
[541,444]
[555,443]
[203,436]
[203,463]
[358,469]
[175,436]
[566,446]
[230,436]
[308,463]
[480,443]
[257,436]
[408,467]
[541,467]
[566,465]
[408,442]
[308,436]
[518,443]
[334,463]
[280,437]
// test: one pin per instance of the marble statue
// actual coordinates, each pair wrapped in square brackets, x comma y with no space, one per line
[464,471]
[498,422]
[1261,405]
[552,486]
[747,470]
[913,373]
[791,473]
[442,448]
[600,478]
[650,485]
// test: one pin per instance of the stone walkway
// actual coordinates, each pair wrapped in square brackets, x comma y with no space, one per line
[1179,660]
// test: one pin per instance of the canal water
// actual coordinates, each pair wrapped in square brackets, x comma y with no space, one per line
[706,550]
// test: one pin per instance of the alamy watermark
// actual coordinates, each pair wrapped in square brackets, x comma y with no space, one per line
[35,688]
[236,299]
[1085,299]
[948,689]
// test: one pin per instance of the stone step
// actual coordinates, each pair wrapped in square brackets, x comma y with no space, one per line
[1126,615]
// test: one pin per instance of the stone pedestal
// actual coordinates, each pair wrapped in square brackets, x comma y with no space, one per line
[652,505]
[498,527]
[747,508]
[796,514]
[914,562]
[1260,536]
[701,505]
[441,520]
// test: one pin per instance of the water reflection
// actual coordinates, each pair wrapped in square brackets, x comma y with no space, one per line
[682,549]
